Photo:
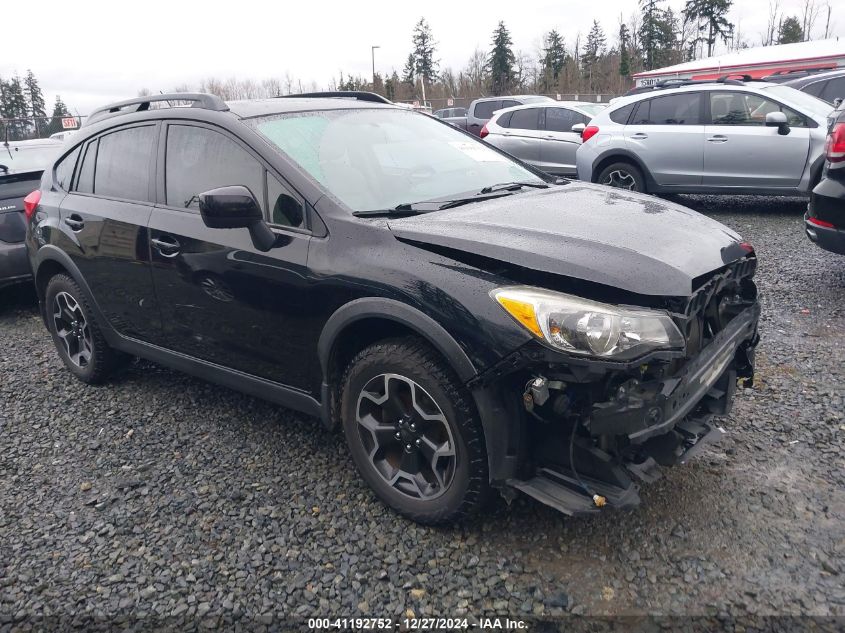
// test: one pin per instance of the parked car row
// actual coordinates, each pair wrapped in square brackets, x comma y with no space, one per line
[21,166]
[545,134]
[725,136]
[824,221]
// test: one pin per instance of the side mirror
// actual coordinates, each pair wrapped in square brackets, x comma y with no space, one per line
[234,207]
[778,120]
[837,102]
[578,128]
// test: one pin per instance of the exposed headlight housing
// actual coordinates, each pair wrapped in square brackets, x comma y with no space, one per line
[581,326]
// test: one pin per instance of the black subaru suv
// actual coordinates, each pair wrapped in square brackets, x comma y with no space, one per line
[824,222]
[471,323]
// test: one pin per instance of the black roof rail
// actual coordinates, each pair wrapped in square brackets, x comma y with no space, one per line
[360,95]
[724,79]
[808,71]
[141,104]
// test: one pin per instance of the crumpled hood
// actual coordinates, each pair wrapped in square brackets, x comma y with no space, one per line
[625,240]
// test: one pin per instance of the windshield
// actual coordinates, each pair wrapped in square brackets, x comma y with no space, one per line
[22,158]
[374,159]
[591,108]
[804,101]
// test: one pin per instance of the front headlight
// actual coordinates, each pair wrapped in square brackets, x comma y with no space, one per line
[581,326]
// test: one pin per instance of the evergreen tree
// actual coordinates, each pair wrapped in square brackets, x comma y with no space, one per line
[624,57]
[390,85]
[593,50]
[790,31]
[649,31]
[15,107]
[657,34]
[409,75]
[553,60]
[424,63]
[501,61]
[60,110]
[713,23]
[35,98]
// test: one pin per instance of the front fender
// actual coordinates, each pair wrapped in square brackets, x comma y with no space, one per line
[380,307]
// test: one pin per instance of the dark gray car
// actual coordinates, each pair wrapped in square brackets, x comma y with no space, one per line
[827,86]
[21,166]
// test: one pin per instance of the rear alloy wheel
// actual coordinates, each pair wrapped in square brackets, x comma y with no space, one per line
[72,329]
[76,335]
[413,431]
[622,176]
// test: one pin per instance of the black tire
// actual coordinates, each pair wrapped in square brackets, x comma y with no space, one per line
[102,360]
[413,360]
[623,175]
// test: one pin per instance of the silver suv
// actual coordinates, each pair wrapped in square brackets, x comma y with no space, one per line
[725,136]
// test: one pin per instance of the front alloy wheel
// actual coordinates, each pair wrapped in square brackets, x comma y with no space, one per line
[413,431]
[406,436]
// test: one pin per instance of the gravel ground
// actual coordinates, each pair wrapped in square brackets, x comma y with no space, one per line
[162,497]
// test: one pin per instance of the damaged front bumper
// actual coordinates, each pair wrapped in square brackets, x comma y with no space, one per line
[592,463]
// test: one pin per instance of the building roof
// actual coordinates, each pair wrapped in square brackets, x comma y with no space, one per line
[831,49]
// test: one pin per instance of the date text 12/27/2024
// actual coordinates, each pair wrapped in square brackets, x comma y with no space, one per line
[416,624]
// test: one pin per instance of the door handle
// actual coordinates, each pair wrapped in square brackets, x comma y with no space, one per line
[75,222]
[166,248]
[639,136]
[717,139]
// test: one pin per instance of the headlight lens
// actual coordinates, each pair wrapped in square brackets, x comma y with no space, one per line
[581,326]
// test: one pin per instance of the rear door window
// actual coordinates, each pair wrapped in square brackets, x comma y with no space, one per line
[562,119]
[123,164]
[814,89]
[527,119]
[677,109]
[485,109]
[835,89]
[85,179]
[65,169]
[621,115]
[504,120]
[199,159]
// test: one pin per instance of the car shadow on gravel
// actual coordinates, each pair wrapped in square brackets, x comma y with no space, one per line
[18,298]
[727,205]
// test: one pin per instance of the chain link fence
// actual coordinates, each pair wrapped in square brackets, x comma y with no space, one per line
[28,128]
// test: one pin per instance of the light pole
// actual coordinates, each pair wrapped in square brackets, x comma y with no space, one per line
[373,52]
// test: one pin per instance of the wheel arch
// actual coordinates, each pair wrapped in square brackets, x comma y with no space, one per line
[623,156]
[364,321]
[50,261]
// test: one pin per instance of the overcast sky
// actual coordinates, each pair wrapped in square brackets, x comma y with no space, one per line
[92,52]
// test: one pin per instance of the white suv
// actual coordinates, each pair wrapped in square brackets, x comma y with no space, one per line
[724,136]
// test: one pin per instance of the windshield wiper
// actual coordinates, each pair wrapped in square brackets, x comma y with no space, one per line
[513,186]
[427,206]
[400,210]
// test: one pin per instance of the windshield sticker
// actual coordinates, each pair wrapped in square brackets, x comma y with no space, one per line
[478,152]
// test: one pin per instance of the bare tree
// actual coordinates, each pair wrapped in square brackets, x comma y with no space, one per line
[827,23]
[811,12]
[476,70]
[773,26]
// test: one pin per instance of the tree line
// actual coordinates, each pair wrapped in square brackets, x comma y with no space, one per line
[598,62]
[24,110]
